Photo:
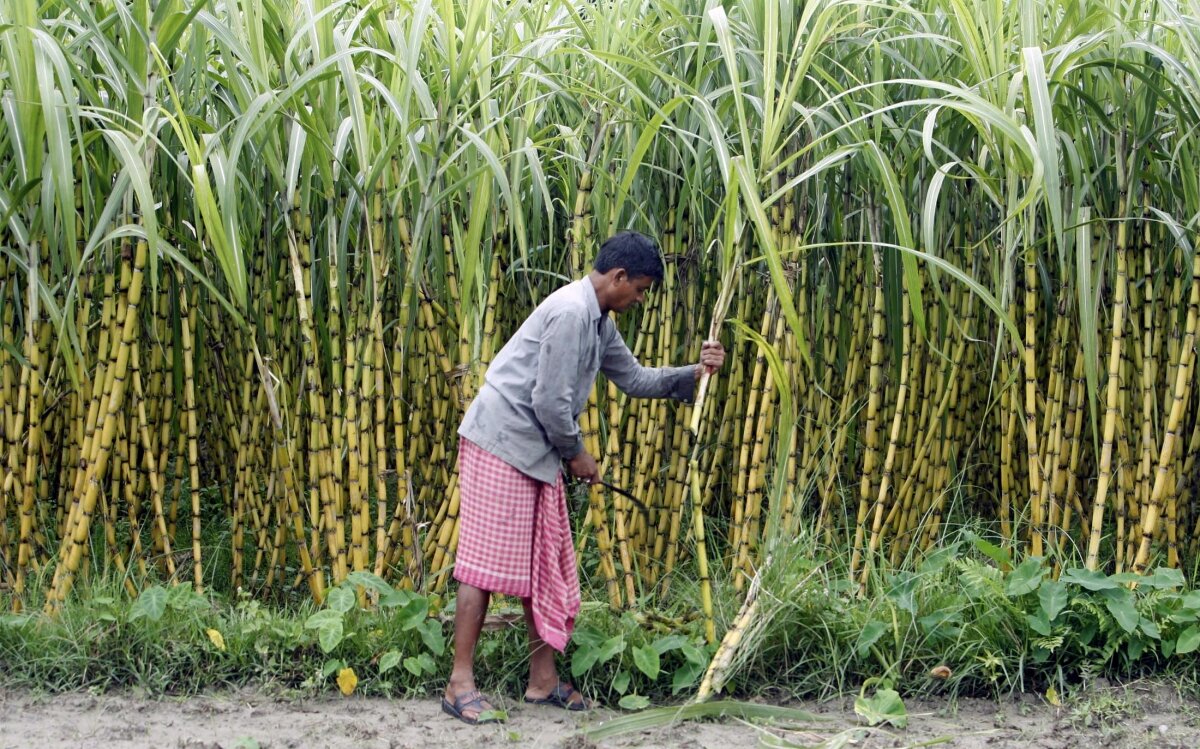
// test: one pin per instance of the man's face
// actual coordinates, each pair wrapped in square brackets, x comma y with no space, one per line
[630,291]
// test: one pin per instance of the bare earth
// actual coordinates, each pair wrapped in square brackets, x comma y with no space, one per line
[1133,715]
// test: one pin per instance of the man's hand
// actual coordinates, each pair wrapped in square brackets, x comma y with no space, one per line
[712,357]
[583,466]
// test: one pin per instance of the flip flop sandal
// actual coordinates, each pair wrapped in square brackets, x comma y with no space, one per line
[561,696]
[461,703]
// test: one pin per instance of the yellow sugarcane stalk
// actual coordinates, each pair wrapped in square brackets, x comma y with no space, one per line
[1111,396]
[871,429]
[1180,393]
[71,552]
[893,438]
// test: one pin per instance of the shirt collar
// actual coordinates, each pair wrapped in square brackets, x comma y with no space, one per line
[590,298]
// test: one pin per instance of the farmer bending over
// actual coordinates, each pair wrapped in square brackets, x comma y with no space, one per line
[514,535]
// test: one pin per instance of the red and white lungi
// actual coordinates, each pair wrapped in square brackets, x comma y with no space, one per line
[514,538]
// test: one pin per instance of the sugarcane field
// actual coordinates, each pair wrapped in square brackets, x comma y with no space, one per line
[599,373]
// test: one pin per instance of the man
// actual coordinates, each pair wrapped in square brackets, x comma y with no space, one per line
[514,534]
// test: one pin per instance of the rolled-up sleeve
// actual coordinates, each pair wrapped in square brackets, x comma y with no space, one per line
[558,365]
[620,366]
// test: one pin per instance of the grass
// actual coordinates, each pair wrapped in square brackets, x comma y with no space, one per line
[818,638]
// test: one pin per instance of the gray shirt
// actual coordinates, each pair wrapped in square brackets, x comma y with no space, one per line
[527,411]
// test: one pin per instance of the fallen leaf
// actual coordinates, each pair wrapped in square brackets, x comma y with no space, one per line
[347,681]
[941,672]
[217,639]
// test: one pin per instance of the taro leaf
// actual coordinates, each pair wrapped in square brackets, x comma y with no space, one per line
[941,625]
[1025,578]
[412,665]
[431,634]
[869,636]
[583,659]
[183,598]
[1120,604]
[1038,623]
[938,560]
[904,591]
[1089,579]
[396,599]
[647,661]
[1188,641]
[322,619]
[1191,601]
[414,613]
[938,619]
[151,604]
[427,663]
[885,707]
[685,676]
[611,647]
[694,655]
[1163,577]
[388,661]
[329,635]
[331,667]
[1053,597]
[1136,648]
[634,702]
[340,599]
[370,580]
[667,644]
[1150,629]
[620,682]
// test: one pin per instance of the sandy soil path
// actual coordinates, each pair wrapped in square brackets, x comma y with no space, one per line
[1139,715]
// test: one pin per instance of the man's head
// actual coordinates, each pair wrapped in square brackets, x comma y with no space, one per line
[627,265]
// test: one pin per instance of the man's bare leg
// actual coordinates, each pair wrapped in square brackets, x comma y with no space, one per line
[469,611]
[543,676]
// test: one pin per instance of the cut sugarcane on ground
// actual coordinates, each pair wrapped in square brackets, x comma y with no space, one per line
[255,258]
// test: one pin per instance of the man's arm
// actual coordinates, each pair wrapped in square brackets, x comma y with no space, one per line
[620,366]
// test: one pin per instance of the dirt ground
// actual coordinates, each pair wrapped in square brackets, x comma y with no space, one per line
[1133,715]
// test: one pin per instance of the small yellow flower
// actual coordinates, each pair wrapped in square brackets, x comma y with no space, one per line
[217,639]
[347,681]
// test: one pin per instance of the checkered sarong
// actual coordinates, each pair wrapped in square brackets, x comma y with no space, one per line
[514,538]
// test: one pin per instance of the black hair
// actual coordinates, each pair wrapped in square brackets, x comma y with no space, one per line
[636,253]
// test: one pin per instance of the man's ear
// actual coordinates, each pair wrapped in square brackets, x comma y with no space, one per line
[620,275]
